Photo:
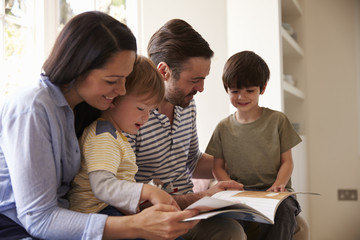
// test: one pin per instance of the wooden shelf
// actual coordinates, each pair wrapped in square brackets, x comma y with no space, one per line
[290,47]
[290,8]
[292,90]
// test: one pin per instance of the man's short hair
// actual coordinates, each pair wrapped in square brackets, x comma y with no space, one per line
[174,43]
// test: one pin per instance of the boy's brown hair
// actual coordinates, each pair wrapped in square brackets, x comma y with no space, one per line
[145,80]
[245,69]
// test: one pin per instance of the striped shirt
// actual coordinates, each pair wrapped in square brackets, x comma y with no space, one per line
[102,148]
[168,153]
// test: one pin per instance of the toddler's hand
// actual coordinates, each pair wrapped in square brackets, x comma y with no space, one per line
[156,196]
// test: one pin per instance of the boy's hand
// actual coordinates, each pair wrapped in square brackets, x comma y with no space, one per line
[224,185]
[277,188]
[156,196]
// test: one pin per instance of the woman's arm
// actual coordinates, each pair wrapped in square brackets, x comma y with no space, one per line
[157,222]
[41,153]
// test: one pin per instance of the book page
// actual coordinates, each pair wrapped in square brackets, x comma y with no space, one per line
[264,202]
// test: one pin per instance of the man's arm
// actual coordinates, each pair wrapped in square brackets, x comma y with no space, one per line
[204,166]
[187,199]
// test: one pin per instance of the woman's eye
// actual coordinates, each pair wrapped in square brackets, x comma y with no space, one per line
[140,109]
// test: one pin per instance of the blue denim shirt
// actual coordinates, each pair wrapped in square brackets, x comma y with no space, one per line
[39,156]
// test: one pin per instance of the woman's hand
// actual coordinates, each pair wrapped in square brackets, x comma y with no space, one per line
[164,222]
[157,222]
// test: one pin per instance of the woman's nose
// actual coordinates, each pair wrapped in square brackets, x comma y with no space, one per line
[120,87]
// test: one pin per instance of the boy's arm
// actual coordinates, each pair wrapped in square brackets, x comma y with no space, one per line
[219,170]
[284,174]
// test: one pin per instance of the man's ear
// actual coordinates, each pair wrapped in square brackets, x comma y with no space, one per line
[263,90]
[164,70]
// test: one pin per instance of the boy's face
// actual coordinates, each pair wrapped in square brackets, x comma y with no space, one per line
[245,99]
[131,112]
[179,92]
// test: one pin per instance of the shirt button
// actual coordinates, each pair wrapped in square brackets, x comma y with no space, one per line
[29,214]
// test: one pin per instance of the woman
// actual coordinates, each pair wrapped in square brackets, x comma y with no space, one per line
[39,151]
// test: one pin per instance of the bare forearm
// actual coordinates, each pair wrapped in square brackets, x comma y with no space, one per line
[185,200]
[221,174]
[284,173]
[203,168]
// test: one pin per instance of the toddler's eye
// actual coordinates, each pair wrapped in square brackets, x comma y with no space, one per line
[140,109]
[111,82]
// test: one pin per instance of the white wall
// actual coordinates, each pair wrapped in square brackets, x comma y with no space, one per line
[332,118]
[261,35]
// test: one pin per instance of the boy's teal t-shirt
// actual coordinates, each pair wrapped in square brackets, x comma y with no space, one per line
[252,150]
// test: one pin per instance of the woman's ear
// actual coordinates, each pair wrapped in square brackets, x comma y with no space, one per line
[164,70]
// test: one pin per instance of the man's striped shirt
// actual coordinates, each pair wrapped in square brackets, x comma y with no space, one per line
[166,152]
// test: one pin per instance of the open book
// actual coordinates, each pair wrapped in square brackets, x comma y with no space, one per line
[243,205]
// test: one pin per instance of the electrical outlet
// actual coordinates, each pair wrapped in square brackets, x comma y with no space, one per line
[347,195]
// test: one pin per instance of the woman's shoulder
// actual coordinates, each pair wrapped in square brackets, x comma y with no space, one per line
[35,98]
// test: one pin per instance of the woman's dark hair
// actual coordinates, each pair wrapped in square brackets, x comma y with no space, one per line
[176,42]
[245,69]
[86,42]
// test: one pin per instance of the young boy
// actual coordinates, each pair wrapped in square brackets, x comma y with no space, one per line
[105,182]
[253,145]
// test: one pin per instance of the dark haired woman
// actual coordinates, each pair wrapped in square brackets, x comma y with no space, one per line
[39,151]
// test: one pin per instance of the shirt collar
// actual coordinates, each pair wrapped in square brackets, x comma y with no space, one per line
[54,91]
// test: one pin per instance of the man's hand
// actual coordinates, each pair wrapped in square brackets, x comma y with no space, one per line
[224,185]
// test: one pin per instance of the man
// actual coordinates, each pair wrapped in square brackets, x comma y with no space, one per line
[166,147]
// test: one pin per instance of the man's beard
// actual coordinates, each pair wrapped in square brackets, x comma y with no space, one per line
[177,98]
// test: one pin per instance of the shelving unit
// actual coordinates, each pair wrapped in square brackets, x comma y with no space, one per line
[256,25]
[292,63]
